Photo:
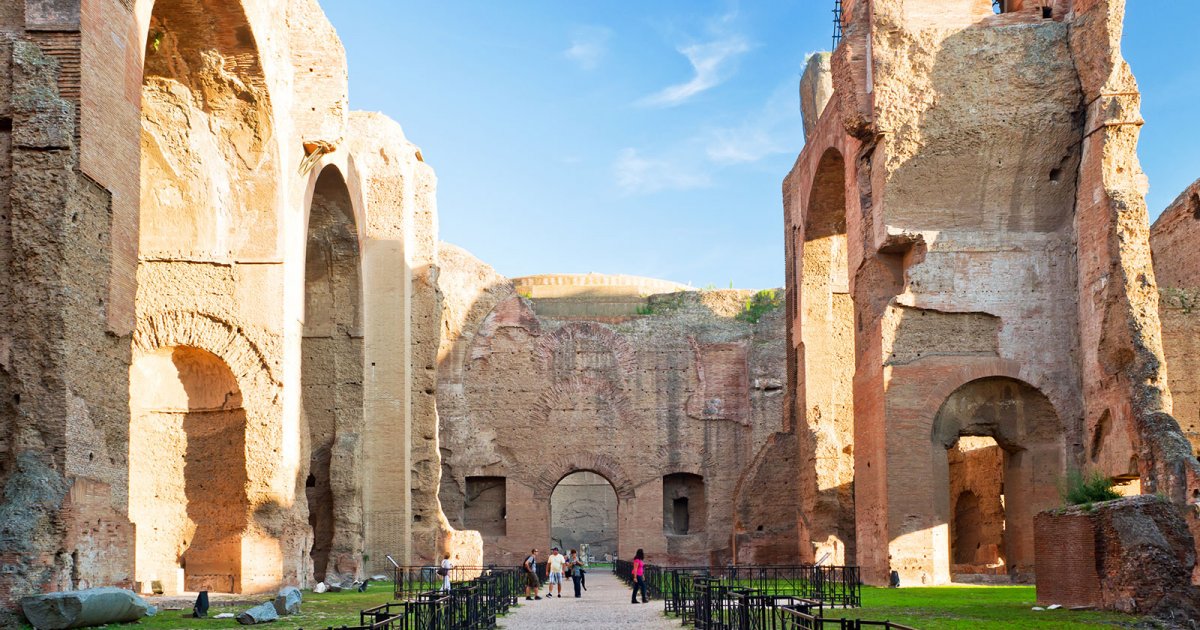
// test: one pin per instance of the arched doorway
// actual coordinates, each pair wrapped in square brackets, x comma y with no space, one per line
[208,204]
[827,357]
[332,374]
[1001,443]
[187,464]
[583,512]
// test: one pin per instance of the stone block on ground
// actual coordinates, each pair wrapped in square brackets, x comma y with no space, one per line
[80,609]
[262,613]
[287,602]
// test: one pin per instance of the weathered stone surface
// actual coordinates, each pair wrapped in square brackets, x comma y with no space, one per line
[951,267]
[1173,239]
[169,170]
[1134,554]
[80,609]
[262,613]
[287,602]
[591,375]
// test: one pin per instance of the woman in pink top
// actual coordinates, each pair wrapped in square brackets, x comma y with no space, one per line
[639,576]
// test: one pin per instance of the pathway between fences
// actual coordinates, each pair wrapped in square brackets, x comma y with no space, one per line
[604,605]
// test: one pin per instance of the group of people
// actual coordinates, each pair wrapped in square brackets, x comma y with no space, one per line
[560,567]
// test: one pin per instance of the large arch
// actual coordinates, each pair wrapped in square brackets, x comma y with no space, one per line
[1027,428]
[208,249]
[188,470]
[826,359]
[332,376]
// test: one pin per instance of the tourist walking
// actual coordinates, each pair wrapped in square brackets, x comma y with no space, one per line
[639,576]
[575,567]
[444,571]
[531,577]
[556,563]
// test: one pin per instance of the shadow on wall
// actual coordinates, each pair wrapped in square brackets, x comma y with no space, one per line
[188,472]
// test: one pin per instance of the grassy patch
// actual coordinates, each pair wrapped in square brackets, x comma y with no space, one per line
[758,305]
[982,607]
[317,611]
[1085,489]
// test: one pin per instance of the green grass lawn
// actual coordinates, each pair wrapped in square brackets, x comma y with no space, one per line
[318,611]
[983,607]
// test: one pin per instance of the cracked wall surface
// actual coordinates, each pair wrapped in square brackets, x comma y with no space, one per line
[972,244]
[573,379]
[1177,272]
[165,171]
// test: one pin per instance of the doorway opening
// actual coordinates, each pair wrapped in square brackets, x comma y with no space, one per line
[583,511]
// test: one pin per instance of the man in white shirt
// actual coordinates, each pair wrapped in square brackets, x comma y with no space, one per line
[556,562]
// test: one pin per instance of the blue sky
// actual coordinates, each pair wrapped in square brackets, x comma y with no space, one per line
[652,138]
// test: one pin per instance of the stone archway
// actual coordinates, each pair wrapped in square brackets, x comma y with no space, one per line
[1015,430]
[584,511]
[331,376]
[199,389]
[188,474]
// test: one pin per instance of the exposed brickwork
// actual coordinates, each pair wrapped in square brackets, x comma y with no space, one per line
[533,397]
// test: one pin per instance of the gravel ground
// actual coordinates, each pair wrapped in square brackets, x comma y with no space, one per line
[604,605]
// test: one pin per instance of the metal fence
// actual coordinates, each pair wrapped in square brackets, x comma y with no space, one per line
[797,619]
[476,598]
[755,597]
[831,585]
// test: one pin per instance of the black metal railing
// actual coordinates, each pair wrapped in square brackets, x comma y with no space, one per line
[477,596]
[753,597]
[799,619]
[832,585]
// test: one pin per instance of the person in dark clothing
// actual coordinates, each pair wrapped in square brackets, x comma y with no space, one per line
[575,566]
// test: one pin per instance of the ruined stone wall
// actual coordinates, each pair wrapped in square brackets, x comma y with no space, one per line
[174,148]
[965,251]
[532,398]
[1177,271]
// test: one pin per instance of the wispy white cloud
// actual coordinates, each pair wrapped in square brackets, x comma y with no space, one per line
[638,174]
[711,65]
[772,129]
[589,45]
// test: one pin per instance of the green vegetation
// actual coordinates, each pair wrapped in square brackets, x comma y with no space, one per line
[1185,300]
[758,305]
[1085,489]
[318,611]
[977,607]
[525,293]
[661,303]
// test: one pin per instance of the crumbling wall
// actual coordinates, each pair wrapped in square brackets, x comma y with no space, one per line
[533,397]
[1177,272]
[63,473]
[971,234]
[234,109]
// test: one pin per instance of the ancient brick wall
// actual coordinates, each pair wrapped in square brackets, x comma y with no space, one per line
[682,388]
[110,159]
[964,241]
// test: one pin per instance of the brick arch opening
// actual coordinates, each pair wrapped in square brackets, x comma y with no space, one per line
[826,352]
[331,375]
[1000,439]
[584,514]
[188,471]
